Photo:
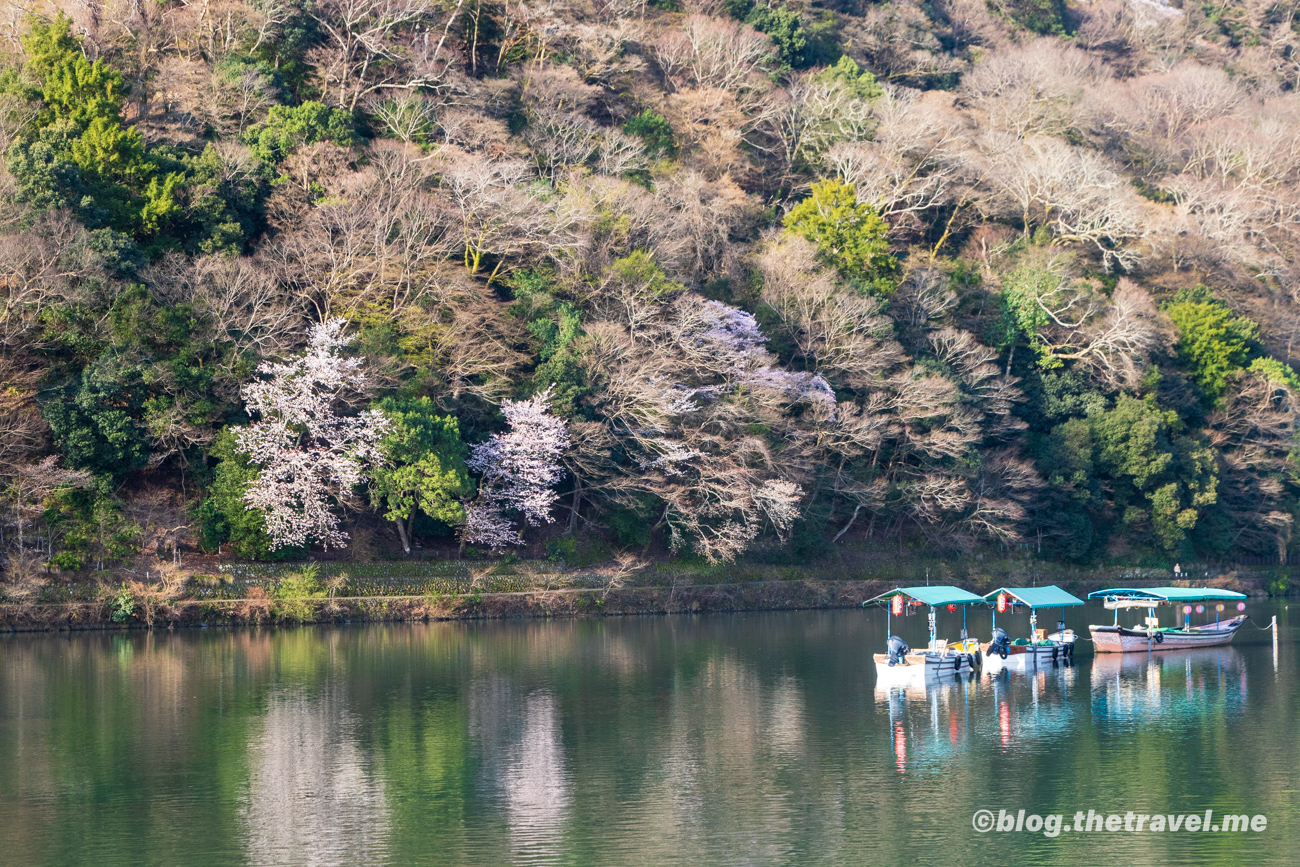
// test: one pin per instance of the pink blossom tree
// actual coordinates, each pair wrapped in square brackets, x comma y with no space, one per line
[310,456]
[518,470]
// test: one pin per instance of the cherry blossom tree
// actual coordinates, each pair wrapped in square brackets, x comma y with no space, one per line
[310,456]
[518,470]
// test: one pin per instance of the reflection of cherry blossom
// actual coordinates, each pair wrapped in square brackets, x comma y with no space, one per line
[518,469]
[310,456]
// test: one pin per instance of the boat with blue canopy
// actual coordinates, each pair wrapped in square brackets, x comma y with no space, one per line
[1151,635]
[1039,648]
[939,657]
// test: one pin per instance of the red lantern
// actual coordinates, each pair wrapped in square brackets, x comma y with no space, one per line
[896,605]
[952,607]
[1002,603]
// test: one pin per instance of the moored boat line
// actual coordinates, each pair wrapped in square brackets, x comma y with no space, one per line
[1151,636]
[900,663]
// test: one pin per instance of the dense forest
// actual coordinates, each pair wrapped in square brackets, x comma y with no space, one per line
[708,278]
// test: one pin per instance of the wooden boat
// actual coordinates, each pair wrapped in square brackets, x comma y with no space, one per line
[1151,636]
[900,662]
[1039,649]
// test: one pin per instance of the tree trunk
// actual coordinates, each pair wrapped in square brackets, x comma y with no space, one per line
[577,501]
[401,531]
[852,518]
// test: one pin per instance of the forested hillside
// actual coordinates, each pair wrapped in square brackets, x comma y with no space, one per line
[716,278]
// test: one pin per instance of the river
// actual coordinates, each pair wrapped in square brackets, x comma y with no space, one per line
[727,739]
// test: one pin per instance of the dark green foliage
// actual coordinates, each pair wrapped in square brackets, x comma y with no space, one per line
[224,518]
[129,374]
[78,155]
[556,328]
[799,44]
[652,129]
[43,167]
[94,420]
[289,127]
[221,210]
[90,526]
[785,26]
[426,464]
[286,54]
[1022,318]
[1158,480]
[631,527]
[1046,17]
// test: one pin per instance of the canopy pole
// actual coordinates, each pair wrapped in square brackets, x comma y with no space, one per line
[933,630]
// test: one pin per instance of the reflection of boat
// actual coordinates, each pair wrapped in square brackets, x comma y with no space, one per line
[1034,708]
[1151,635]
[1176,688]
[1040,648]
[931,740]
[900,663]
[1110,666]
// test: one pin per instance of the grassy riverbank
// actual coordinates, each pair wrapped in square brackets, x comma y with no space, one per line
[249,594]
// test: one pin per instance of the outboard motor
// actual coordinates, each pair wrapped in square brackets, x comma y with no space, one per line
[898,650]
[1000,643]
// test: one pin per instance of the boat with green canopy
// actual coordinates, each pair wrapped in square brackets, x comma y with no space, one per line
[899,661]
[1151,635]
[1039,648]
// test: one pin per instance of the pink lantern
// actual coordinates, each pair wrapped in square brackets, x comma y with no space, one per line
[1219,607]
[1241,606]
[1200,609]
[1187,609]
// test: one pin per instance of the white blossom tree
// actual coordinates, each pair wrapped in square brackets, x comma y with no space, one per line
[518,470]
[310,456]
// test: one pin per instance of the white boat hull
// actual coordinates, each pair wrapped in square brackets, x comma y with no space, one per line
[919,666]
[1112,639]
[1023,657]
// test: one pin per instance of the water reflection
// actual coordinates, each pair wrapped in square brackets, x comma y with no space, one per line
[928,720]
[753,739]
[1170,688]
[935,721]
[523,758]
[313,797]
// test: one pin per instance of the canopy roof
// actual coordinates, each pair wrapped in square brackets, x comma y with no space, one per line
[1050,596]
[937,594]
[1169,594]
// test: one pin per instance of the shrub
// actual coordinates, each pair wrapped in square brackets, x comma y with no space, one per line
[296,598]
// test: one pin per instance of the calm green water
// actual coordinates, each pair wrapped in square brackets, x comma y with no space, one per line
[722,739]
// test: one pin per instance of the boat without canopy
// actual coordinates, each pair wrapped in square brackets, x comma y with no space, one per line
[1040,648]
[1151,635]
[900,662]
